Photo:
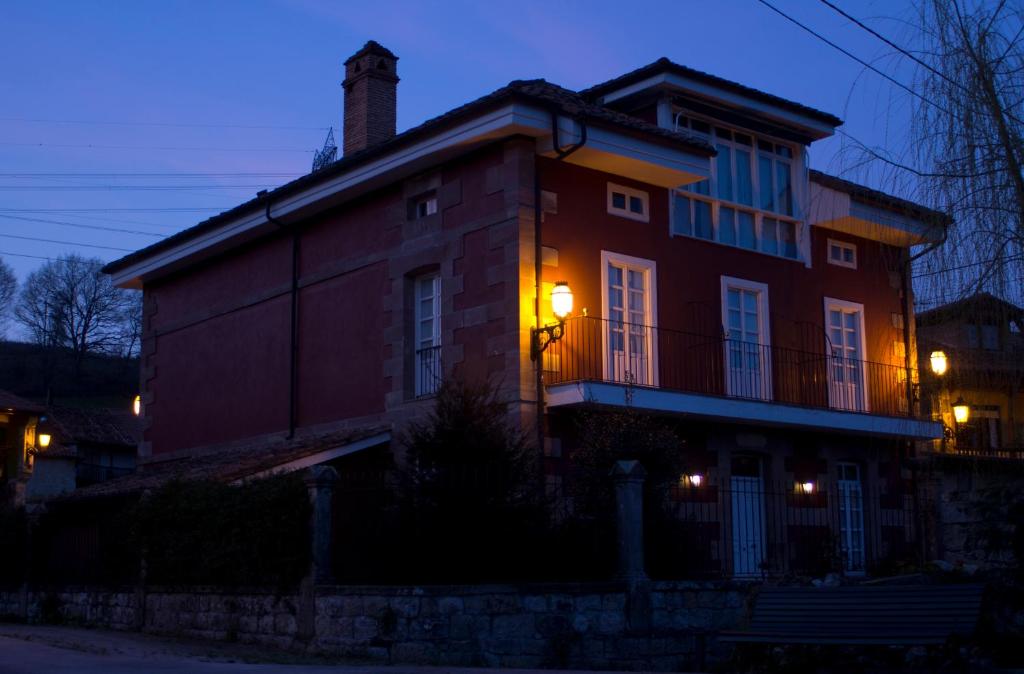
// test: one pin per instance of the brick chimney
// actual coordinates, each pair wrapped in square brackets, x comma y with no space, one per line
[371,86]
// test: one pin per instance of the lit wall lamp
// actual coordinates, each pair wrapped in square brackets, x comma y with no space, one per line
[805,487]
[561,306]
[961,411]
[694,481]
[137,405]
[940,363]
[43,440]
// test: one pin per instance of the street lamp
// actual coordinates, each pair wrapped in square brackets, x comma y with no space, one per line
[939,362]
[561,306]
[961,411]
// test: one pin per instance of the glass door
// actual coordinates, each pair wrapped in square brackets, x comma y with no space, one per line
[629,339]
[851,517]
[746,485]
[847,390]
[747,355]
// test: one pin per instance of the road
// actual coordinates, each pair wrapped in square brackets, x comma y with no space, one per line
[38,649]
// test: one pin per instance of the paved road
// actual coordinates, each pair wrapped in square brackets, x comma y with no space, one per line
[38,649]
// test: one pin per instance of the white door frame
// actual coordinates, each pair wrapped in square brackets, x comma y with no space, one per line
[650,269]
[844,493]
[763,328]
[747,506]
[829,304]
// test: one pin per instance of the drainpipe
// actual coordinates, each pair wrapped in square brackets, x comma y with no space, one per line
[538,215]
[293,344]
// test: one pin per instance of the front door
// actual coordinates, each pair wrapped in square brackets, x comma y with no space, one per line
[629,334]
[845,321]
[851,517]
[748,530]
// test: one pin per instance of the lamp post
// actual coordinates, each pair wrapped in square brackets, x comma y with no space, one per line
[561,305]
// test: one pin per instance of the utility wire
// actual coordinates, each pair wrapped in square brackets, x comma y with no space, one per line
[128,188]
[171,124]
[91,146]
[63,223]
[26,175]
[34,257]
[112,210]
[1012,258]
[924,64]
[852,56]
[65,243]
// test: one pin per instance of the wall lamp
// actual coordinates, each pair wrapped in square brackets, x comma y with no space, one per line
[961,410]
[561,306]
[137,405]
[940,363]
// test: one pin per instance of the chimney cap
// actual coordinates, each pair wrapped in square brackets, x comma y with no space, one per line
[371,47]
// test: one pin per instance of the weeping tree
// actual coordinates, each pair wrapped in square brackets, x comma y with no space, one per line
[967,143]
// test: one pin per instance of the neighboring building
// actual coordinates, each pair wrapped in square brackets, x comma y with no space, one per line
[982,340]
[19,419]
[717,280]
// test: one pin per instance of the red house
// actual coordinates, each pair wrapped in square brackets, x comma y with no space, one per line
[716,279]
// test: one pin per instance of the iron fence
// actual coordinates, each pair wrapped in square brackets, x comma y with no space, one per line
[747,528]
[595,349]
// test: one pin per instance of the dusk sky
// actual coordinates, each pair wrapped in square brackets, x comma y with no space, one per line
[148,117]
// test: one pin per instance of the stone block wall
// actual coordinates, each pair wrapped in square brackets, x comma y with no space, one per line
[661,626]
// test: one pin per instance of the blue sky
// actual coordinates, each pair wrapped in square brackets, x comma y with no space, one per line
[247,90]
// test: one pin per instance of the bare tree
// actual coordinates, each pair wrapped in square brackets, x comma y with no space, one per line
[967,142]
[8,288]
[70,303]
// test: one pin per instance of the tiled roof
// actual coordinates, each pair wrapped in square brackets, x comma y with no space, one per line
[557,98]
[882,199]
[236,462]
[9,401]
[76,425]
[664,64]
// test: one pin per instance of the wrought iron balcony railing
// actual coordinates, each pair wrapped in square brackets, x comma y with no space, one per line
[600,350]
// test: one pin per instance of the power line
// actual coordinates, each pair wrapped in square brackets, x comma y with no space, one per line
[113,210]
[90,146]
[35,257]
[924,64]
[1013,258]
[851,55]
[65,243]
[164,124]
[129,188]
[23,174]
[81,225]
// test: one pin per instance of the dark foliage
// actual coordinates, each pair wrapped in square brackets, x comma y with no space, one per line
[13,539]
[207,533]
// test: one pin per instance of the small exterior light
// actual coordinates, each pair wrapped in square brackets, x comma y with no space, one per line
[939,362]
[805,487]
[693,481]
[137,405]
[561,305]
[961,411]
[44,440]
[561,300]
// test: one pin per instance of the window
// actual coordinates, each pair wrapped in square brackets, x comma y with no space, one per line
[844,329]
[842,254]
[981,431]
[627,202]
[427,356]
[423,206]
[983,336]
[630,299]
[748,201]
[747,341]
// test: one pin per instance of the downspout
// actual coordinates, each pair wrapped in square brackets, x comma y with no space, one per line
[293,344]
[538,253]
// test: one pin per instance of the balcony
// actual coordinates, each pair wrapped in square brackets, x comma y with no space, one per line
[612,362]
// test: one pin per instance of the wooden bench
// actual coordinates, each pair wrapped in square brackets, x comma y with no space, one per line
[861,614]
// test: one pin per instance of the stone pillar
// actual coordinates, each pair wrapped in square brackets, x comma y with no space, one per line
[629,506]
[321,481]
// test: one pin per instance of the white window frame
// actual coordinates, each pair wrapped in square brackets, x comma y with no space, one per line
[429,201]
[629,193]
[650,268]
[842,245]
[422,387]
[830,303]
[683,120]
[764,327]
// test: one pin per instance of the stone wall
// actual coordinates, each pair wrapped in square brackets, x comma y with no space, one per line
[661,626]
